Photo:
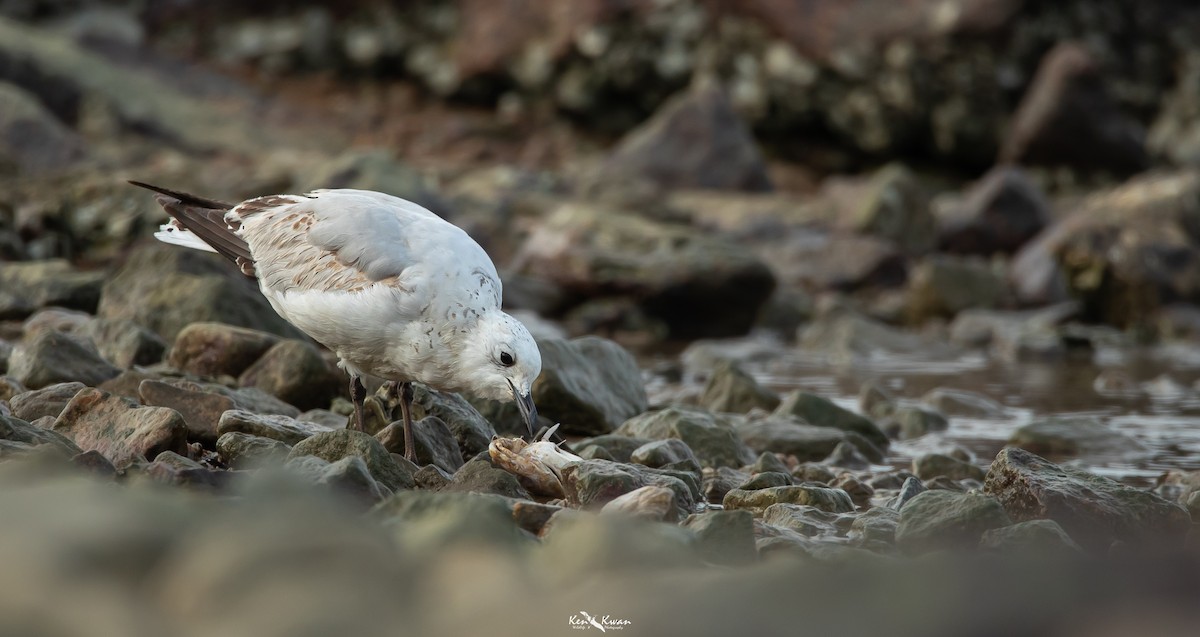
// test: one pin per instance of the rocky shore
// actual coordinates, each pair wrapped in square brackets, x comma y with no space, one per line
[1009,182]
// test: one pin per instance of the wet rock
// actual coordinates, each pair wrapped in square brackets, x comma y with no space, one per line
[997,214]
[471,429]
[943,519]
[805,520]
[1032,536]
[859,491]
[119,428]
[286,430]
[1095,511]
[846,456]
[724,537]
[332,446]
[590,384]
[894,205]
[243,451]
[911,488]
[296,373]
[813,472]
[730,389]
[767,461]
[757,501]
[124,343]
[29,286]
[720,481]
[18,430]
[435,443]
[913,422]
[931,465]
[619,448]
[649,502]
[1066,118]
[712,440]
[213,349]
[876,401]
[32,140]
[822,412]
[846,338]
[791,436]
[165,289]
[766,480]
[1073,436]
[695,140]
[958,402]
[477,475]
[594,483]
[661,453]
[53,357]
[674,272]
[943,285]
[876,526]
[47,401]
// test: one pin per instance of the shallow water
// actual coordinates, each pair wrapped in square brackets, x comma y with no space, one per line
[1150,395]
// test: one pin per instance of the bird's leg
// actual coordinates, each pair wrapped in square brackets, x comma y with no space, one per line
[406,396]
[358,394]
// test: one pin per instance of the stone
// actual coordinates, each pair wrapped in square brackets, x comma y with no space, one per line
[332,446]
[1031,536]
[649,502]
[351,476]
[805,520]
[617,447]
[767,461]
[213,349]
[120,429]
[591,385]
[10,387]
[894,205]
[165,289]
[477,475]
[943,285]
[18,430]
[724,537]
[839,261]
[847,456]
[594,483]
[876,401]
[766,480]
[876,525]
[932,465]
[846,338]
[432,477]
[324,418]
[996,215]
[1066,118]
[379,170]
[29,286]
[124,343]
[911,487]
[661,453]
[757,501]
[54,357]
[31,138]
[471,429]
[720,481]
[171,468]
[695,140]
[712,440]
[1095,511]
[959,402]
[813,472]
[822,412]
[47,401]
[244,451]
[673,272]
[1074,436]
[296,373]
[791,436]
[730,389]
[126,383]
[435,443]
[913,422]
[944,519]
[201,410]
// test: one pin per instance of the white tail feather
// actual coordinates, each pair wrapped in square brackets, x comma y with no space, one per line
[174,235]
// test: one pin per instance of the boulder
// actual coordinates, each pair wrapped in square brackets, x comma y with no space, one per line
[822,412]
[296,373]
[435,443]
[591,385]
[714,442]
[47,401]
[332,446]
[27,286]
[124,343]
[213,349]
[53,357]
[119,429]
[943,519]
[1074,436]
[730,389]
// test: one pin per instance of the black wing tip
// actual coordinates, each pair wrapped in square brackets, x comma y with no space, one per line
[182,197]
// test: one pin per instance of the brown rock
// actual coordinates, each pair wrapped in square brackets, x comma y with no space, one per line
[119,428]
[200,410]
[999,213]
[296,373]
[211,349]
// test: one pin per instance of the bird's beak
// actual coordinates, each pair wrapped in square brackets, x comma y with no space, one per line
[528,411]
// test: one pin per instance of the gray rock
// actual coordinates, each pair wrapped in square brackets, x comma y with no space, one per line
[351,476]
[29,285]
[876,525]
[766,480]
[124,343]
[730,389]
[859,491]
[332,446]
[823,498]
[171,468]
[165,289]
[435,443]
[1030,537]
[720,481]
[847,456]
[958,402]
[944,285]
[767,461]
[213,349]
[650,502]
[119,428]
[590,384]
[47,401]
[324,418]
[805,520]
[661,453]
[895,205]
[31,138]
[1095,511]
[201,410]
[822,412]
[876,401]
[243,451]
[997,214]
[845,338]
[910,489]
[477,475]
[471,430]
[53,357]
[426,522]
[943,519]
[712,440]
[813,472]
[296,373]
[695,140]
[910,422]
[19,431]
[432,478]
[57,319]
[10,387]
[724,537]
[1073,436]
[594,483]
[791,436]
[617,447]
[931,465]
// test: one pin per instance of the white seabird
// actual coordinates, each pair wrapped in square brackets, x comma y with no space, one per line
[391,288]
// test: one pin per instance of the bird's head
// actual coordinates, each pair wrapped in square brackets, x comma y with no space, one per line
[501,360]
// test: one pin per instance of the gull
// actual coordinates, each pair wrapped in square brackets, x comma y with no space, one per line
[390,288]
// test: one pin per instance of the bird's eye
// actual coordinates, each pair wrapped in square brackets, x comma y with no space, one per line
[507,359]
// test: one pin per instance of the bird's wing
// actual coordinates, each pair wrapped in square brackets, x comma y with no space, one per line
[347,240]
